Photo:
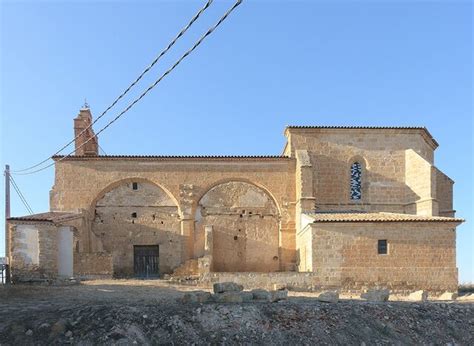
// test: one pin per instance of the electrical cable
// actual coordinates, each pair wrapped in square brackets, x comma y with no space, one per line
[163,52]
[198,42]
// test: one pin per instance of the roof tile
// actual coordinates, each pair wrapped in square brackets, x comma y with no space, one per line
[338,216]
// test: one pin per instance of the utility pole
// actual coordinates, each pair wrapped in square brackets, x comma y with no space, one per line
[7,215]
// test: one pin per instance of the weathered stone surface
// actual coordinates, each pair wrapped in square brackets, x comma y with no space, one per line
[448,296]
[228,297]
[329,297]
[254,208]
[279,295]
[244,221]
[418,296]
[196,297]
[376,295]
[259,294]
[247,296]
[221,287]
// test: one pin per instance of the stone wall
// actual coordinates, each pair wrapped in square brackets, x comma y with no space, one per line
[420,178]
[91,265]
[382,154]
[101,188]
[33,251]
[125,217]
[245,228]
[444,194]
[304,250]
[253,206]
[420,255]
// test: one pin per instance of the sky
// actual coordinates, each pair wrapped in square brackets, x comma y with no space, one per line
[271,64]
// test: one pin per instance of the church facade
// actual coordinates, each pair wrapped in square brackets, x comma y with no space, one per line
[341,207]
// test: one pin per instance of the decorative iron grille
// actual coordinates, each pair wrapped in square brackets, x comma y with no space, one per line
[356,181]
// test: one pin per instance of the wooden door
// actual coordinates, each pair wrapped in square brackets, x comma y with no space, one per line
[146,261]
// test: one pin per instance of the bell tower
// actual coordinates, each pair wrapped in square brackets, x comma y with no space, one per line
[86,142]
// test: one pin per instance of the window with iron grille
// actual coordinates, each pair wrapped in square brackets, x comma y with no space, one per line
[356,181]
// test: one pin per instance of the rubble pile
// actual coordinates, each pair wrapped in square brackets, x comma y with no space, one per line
[146,315]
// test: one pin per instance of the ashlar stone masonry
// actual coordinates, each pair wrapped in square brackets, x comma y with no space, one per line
[342,207]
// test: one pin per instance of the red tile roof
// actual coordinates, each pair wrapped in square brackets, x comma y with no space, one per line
[338,216]
[51,216]
[173,158]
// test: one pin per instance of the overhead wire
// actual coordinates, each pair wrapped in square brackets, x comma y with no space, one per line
[148,68]
[189,51]
[20,194]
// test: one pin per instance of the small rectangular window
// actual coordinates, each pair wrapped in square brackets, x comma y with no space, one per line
[134,215]
[135,186]
[382,247]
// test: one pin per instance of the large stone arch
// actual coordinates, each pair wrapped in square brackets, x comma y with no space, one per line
[130,180]
[124,217]
[205,190]
[245,223]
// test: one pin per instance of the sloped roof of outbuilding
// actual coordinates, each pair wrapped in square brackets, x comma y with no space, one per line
[51,216]
[339,216]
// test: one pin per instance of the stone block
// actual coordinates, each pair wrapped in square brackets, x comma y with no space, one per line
[228,297]
[329,297]
[259,294]
[448,296]
[418,296]
[196,297]
[376,295]
[246,296]
[279,295]
[222,287]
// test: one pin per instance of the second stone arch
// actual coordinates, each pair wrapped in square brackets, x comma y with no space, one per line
[245,228]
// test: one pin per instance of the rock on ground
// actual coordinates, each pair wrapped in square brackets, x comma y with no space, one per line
[222,287]
[196,297]
[448,296]
[329,297]
[376,295]
[418,296]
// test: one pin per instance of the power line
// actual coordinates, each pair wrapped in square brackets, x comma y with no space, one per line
[198,42]
[103,151]
[163,52]
[22,197]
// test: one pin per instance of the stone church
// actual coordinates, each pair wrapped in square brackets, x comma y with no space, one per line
[342,206]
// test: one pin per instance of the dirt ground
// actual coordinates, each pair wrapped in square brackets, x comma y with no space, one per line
[123,312]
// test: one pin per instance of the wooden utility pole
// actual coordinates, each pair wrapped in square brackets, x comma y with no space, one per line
[7,215]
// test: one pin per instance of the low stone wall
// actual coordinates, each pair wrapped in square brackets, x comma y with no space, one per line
[93,265]
[342,279]
[269,281]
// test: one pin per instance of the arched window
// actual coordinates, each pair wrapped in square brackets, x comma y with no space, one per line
[356,181]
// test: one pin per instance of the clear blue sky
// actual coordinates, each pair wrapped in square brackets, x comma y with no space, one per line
[271,64]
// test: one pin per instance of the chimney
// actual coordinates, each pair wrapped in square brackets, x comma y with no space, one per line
[81,122]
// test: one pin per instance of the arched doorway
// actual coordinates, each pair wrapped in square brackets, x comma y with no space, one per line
[245,226]
[138,223]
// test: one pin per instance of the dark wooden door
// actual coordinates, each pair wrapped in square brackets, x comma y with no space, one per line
[146,261]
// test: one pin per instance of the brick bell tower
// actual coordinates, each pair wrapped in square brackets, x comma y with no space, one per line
[81,122]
